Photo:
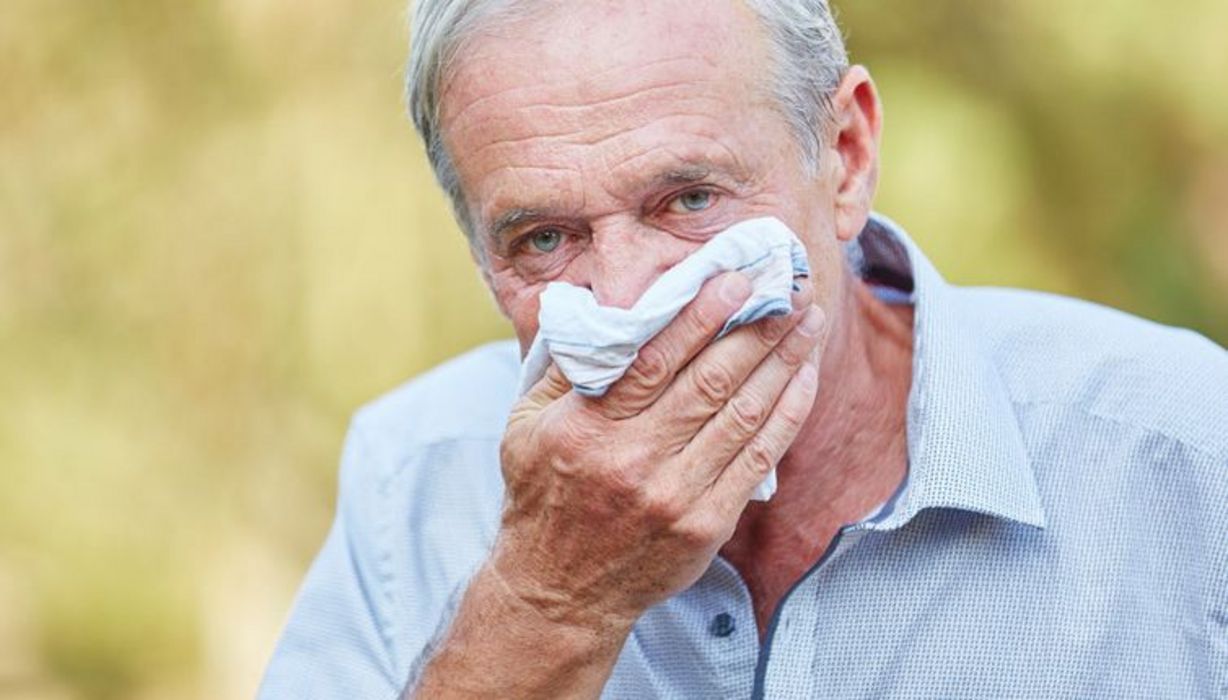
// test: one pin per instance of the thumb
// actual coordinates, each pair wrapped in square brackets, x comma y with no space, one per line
[552,386]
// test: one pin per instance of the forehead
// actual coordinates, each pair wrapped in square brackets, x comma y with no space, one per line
[581,43]
[589,86]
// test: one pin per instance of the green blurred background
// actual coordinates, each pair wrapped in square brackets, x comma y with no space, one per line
[218,237]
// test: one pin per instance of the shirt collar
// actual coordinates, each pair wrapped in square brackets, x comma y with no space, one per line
[965,446]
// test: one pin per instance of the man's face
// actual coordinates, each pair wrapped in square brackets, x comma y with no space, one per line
[599,143]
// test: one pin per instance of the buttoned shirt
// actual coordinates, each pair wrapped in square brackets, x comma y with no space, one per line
[1063,530]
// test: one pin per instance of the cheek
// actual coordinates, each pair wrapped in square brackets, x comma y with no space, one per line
[827,272]
[517,300]
[807,209]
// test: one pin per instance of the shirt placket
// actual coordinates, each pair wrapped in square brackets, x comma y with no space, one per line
[786,665]
[729,626]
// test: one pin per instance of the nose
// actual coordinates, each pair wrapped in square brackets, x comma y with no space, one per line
[626,259]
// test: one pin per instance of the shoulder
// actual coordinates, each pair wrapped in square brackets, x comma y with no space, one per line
[465,397]
[421,488]
[1057,350]
[426,453]
[418,504]
[422,435]
[418,450]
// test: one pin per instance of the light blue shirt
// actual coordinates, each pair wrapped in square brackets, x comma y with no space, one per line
[1063,532]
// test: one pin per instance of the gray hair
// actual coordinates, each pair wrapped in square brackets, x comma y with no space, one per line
[808,55]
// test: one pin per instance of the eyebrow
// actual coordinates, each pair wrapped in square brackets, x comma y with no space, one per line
[686,174]
[512,218]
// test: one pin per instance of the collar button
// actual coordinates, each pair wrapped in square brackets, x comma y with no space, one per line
[722,625]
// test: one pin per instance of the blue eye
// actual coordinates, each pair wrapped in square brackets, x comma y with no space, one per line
[546,240]
[692,201]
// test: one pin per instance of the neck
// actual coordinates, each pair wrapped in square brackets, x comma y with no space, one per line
[850,456]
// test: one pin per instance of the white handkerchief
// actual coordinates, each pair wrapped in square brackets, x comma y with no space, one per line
[593,345]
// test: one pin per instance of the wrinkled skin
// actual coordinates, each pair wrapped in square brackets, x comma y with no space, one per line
[599,144]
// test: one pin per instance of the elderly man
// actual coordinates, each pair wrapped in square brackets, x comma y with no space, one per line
[982,493]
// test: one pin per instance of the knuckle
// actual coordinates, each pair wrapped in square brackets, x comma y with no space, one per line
[769,331]
[793,414]
[649,371]
[747,413]
[713,382]
[619,484]
[632,457]
[663,508]
[792,354]
[760,458]
[697,532]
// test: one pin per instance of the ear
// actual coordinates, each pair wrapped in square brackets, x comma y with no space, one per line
[853,142]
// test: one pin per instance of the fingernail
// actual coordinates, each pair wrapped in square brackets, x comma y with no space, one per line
[798,298]
[734,288]
[812,322]
[808,376]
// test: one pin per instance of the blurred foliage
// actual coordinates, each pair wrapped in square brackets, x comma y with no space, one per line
[218,237]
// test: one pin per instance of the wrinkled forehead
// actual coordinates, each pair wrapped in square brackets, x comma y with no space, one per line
[600,53]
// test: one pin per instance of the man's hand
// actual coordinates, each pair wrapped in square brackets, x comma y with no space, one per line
[614,504]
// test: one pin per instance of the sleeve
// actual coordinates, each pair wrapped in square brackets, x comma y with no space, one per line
[336,642]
